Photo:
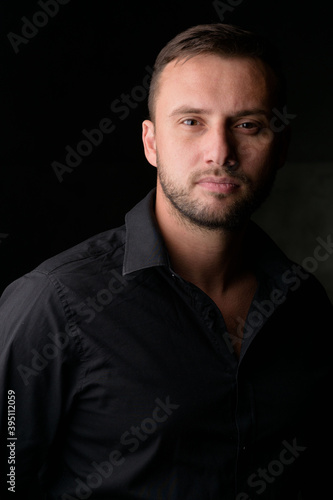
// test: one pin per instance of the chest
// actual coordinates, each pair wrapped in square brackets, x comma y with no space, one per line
[234,307]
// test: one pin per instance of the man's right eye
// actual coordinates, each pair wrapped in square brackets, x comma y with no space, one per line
[190,122]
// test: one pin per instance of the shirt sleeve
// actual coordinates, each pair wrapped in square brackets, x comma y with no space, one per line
[40,375]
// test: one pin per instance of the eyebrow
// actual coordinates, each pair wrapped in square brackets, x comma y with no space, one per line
[253,111]
[186,110]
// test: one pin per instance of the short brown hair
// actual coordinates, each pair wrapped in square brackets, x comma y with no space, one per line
[221,39]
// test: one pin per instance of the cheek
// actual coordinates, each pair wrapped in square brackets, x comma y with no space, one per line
[177,154]
[256,150]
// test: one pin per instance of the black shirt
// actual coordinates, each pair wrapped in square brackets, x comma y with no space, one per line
[126,386]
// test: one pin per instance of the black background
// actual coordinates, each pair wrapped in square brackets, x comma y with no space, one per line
[69,73]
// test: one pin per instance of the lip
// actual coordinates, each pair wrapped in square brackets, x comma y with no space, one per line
[219,184]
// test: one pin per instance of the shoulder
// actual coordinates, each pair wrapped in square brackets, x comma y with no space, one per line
[42,299]
[107,246]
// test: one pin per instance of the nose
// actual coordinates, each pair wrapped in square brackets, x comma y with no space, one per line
[219,148]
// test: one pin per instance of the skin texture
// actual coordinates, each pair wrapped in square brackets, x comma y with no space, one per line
[190,146]
[216,158]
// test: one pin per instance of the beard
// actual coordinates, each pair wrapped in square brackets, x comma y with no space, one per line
[197,213]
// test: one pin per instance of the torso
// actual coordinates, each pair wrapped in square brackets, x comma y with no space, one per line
[234,306]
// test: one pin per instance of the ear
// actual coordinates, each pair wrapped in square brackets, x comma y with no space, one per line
[149,141]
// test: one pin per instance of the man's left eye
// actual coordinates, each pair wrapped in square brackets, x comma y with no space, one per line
[247,125]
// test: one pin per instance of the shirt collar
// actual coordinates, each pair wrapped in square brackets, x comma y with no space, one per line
[144,244]
[145,247]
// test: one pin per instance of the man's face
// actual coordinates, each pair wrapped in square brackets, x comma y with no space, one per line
[215,154]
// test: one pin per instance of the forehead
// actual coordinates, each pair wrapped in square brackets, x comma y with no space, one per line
[213,80]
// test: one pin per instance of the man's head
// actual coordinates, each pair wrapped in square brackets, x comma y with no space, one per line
[212,99]
[220,39]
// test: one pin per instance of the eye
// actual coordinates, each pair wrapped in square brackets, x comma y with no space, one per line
[191,122]
[247,125]
[249,128]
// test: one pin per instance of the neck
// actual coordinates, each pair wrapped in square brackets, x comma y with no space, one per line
[213,260]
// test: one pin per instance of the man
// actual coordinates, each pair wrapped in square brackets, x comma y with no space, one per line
[183,355]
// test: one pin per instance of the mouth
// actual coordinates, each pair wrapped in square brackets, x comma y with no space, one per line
[219,184]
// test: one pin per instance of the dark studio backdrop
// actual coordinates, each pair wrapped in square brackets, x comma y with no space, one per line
[72,67]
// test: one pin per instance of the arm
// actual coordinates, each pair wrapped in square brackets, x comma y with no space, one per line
[39,373]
